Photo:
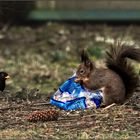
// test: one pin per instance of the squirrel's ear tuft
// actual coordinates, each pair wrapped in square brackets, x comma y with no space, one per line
[84,56]
[85,59]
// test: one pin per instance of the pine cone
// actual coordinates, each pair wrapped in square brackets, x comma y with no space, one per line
[49,115]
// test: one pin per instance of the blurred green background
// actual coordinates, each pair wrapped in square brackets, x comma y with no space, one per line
[44,54]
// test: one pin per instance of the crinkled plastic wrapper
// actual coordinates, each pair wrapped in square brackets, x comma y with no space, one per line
[73,96]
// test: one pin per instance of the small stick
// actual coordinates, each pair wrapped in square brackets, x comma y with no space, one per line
[109,106]
[41,104]
[11,107]
[17,107]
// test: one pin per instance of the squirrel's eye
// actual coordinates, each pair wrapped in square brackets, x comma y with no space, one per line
[82,71]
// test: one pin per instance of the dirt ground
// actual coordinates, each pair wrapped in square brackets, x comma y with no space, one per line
[39,58]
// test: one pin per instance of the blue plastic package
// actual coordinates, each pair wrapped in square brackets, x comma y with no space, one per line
[73,96]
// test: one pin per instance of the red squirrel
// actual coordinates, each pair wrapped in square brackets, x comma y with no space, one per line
[118,80]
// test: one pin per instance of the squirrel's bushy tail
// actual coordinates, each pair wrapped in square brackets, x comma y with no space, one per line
[116,60]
